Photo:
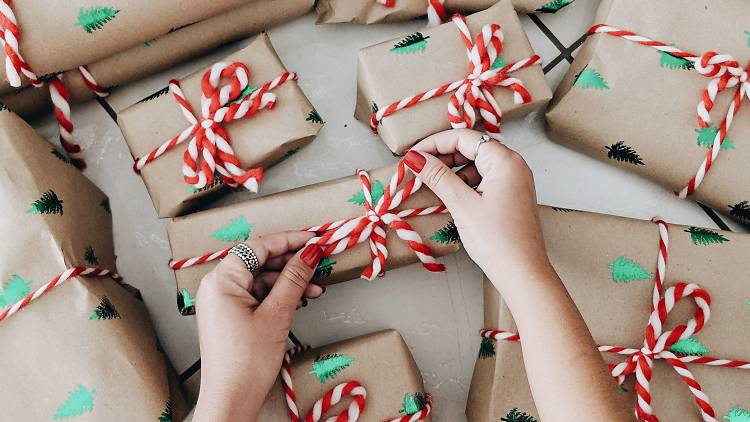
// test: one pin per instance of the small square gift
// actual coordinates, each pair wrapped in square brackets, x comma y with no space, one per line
[366,224]
[368,378]
[667,305]
[424,83]
[218,128]
[663,93]
[76,342]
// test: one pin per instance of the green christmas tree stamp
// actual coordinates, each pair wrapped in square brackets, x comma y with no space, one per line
[447,234]
[90,256]
[740,210]
[623,153]
[737,414]
[414,43]
[93,18]
[3,107]
[327,367]
[707,135]
[105,310]
[486,348]
[314,117]
[515,415]
[166,414]
[413,403]
[14,289]
[79,401]
[48,203]
[499,63]
[589,78]
[376,192]
[670,61]
[185,302]
[324,269]
[689,347]
[701,236]
[216,182]
[244,93]
[237,230]
[553,7]
[626,270]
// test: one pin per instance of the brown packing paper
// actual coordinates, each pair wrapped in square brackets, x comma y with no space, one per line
[370,11]
[52,346]
[385,76]
[382,363]
[652,109]
[322,203]
[164,52]
[52,27]
[581,246]
[259,141]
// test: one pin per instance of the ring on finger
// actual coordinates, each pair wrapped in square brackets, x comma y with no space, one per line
[247,255]
[482,140]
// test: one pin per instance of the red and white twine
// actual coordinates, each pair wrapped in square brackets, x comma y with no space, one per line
[345,234]
[473,93]
[209,148]
[657,342]
[58,280]
[436,13]
[724,71]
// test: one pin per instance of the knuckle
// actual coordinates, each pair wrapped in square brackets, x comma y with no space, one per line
[436,174]
[297,275]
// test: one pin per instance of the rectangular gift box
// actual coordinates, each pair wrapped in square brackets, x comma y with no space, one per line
[59,36]
[634,106]
[164,52]
[608,265]
[213,230]
[372,11]
[87,347]
[380,362]
[388,73]
[258,141]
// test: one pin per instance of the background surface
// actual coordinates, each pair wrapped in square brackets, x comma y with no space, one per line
[438,315]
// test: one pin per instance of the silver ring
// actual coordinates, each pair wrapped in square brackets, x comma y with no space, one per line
[247,255]
[484,139]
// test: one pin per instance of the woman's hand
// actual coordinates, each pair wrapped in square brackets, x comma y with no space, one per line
[244,321]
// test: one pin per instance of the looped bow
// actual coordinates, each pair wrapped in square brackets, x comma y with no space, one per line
[725,72]
[345,234]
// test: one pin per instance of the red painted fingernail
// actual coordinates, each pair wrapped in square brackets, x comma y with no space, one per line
[311,255]
[415,161]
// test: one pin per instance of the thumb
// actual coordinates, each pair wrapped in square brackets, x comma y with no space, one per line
[292,281]
[440,179]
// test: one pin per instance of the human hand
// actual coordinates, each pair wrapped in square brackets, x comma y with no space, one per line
[498,222]
[244,321]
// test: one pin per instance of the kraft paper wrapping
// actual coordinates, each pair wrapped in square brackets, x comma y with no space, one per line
[56,345]
[385,76]
[61,35]
[201,233]
[650,106]
[370,11]
[258,141]
[382,363]
[581,246]
[164,52]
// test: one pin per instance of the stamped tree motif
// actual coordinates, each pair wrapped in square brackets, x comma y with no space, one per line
[689,347]
[48,203]
[79,401]
[413,403]
[3,107]
[707,135]
[626,270]
[327,367]
[447,234]
[486,348]
[185,302]
[499,63]
[104,204]
[553,7]
[60,156]
[701,236]
[105,310]
[515,415]
[589,78]
[376,192]
[324,269]
[414,43]
[673,62]
[155,95]
[90,256]
[166,414]
[737,414]
[623,153]
[314,117]
[14,289]
[740,210]
[237,230]
[93,18]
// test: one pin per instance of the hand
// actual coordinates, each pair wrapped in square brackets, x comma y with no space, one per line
[498,222]
[244,321]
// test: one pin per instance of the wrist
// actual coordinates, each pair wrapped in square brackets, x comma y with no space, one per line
[520,279]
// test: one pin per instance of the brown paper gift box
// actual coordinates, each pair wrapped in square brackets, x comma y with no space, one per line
[385,76]
[322,203]
[649,103]
[259,141]
[370,11]
[56,346]
[382,363]
[164,52]
[581,246]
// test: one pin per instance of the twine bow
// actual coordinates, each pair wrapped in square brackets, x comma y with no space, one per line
[725,73]
[209,149]
[473,93]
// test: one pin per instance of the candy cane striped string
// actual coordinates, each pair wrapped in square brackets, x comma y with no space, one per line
[475,91]
[725,73]
[58,280]
[209,149]
[345,234]
[657,342]
[436,13]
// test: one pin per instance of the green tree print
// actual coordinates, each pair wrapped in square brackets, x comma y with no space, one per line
[625,270]
[376,192]
[237,230]
[689,347]
[327,367]
[314,117]
[245,92]
[185,302]
[90,256]
[499,63]
[216,182]
[79,401]
[740,210]
[673,62]
[701,236]
[623,153]
[93,18]
[14,289]
[589,78]
[60,156]
[166,414]
[553,7]
[737,414]
[514,415]
[447,234]
[486,348]
[413,403]
[413,43]
[3,107]
[707,135]
[105,310]
[324,269]
[48,203]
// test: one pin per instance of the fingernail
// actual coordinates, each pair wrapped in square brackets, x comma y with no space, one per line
[415,161]
[311,255]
